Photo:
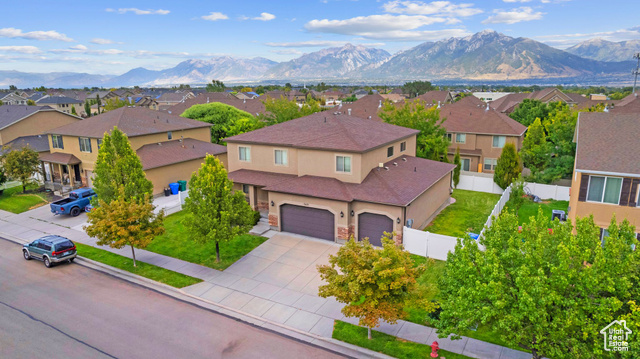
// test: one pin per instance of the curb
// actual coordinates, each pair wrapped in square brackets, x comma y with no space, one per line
[329,344]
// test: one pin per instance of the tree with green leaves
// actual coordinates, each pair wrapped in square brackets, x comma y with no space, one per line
[226,120]
[73,110]
[217,213]
[215,86]
[508,167]
[122,222]
[416,88]
[31,103]
[98,102]
[456,171]
[3,175]
[119,165]
[431,142]
[87,108]
[535,152]
[115,103]
[560,128]
[21,164]
[543,289]
[282,110]
[374,284]
[13,88]
[528,110]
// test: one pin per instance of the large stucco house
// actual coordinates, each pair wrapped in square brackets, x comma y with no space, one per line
[606,175]
[332,175]
[17,122]
[170,147]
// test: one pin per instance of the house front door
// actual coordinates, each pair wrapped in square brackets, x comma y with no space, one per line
[76,172]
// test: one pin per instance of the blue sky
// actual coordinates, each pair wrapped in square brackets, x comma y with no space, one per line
[88,36]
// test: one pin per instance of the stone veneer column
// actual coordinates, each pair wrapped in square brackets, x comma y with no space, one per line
[398,238]
[273,220]
[343,233]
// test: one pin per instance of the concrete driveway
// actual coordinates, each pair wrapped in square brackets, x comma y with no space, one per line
[44,214]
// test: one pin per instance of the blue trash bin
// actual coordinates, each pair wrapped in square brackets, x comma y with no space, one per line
[174,187]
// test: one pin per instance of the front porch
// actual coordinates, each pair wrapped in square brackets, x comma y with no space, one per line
[62,172]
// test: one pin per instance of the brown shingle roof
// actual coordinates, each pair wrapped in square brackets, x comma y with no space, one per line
[252,106]
[463,117]
[133,121]
[258,178]
[366,106]
[608,142]
[435,96]
[398,185]
[10,114]
[59,157]
[327,131]
[171,152]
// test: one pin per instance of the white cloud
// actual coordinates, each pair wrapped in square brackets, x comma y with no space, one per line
[371,24]
[78,47]
[21,49]
[215,16]
[139,11]
[318,43]
[568,40]
[441,8]
[286,52]
[100,41]
[265,16]
[11,32]
[513,16]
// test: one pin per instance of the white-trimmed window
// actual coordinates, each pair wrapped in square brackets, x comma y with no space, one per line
[245,188]
[390,151]
[465,164]
[56,141]
[403,146]
[281,157]
[343,164]
[604,189]
[499,141]
[461,137]
[85,144]
[169,135]
[244,153]
[490,164]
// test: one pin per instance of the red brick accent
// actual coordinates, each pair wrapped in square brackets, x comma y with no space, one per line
[398,238]
[263,205]
[343,233]
[273,220]
[352,231]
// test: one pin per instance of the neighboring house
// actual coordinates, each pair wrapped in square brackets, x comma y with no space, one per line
[606,174]
[12,99]
[171,147]
[38,143]
[437,97]
[20,120]
[395,98]
[254,106]
[331,176]
[147,102]
[490,96]
[360,93]
[297,96]
[332,97]
[62,104]
[366,107]
[507,104]
[173,98]
[480,133]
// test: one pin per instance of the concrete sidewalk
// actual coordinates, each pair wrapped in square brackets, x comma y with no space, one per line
[277,282]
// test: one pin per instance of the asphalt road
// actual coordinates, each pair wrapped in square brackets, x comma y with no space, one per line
[70,311]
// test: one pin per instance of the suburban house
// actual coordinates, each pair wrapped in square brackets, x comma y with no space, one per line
[252,106]
[439,97]
[20,121]
[480,133]
[606,174]
[62,104]
[170,147]
[506,104]
[12,99]
[173,98]
[147,102]
[331,175]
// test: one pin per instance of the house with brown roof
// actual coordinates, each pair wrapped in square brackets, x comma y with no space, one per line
[606,174]
[437,97]
[20,120]
[62,104]
[507,104]
[333,175]
[253,106]
[480,133]
[12,98]
[173,98]
[170,147]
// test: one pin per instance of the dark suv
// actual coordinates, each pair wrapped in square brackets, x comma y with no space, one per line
[50,249]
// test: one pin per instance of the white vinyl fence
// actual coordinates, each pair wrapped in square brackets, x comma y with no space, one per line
[497,208]
[483,182]
[546,191]
[428,244]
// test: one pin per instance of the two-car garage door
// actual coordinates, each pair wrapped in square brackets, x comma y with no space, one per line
[313,222]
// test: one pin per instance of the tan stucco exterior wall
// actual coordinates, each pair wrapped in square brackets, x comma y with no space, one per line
[372,159]
[72,145]
[262,158]
[602,212]
[323,164]
[483,143]
[423,207]
[162,176]
[202,134]
[35,124]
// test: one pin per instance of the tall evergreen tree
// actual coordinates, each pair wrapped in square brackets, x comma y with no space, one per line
[456,171]
[73,110]
[87,108]
[535,150]
[508,167]
[119,165]
[216,212]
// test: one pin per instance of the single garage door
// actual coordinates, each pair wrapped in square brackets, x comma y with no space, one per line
[312,222]
[373,226]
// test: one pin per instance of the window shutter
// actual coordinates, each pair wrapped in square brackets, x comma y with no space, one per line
[90,146]
[634,192]
[584,185]
[624,192]
[80,143]
[61,142]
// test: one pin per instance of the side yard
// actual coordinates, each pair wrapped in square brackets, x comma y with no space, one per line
[468,214]
[530,209]
[176,242]
[13,200]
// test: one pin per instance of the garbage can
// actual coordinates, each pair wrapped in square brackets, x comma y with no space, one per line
[183,185]
[174,187]
[167,192]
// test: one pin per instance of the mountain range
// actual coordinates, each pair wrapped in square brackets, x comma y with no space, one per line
[484,56]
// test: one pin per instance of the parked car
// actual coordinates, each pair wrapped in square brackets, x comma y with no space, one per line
[74,204]
[50,249]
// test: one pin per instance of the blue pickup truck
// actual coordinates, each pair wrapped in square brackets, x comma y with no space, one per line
[75,203]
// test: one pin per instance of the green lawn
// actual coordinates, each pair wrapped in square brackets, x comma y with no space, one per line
[150,271]
[13,200]
[384,343]
[530,209]
[177,243]
[468,214]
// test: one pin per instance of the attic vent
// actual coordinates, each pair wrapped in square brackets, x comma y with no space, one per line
[159,143]
[415,169]
[386,168]
[380,164]
[404,159]
[349,112]
[369,117]
[395,163]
